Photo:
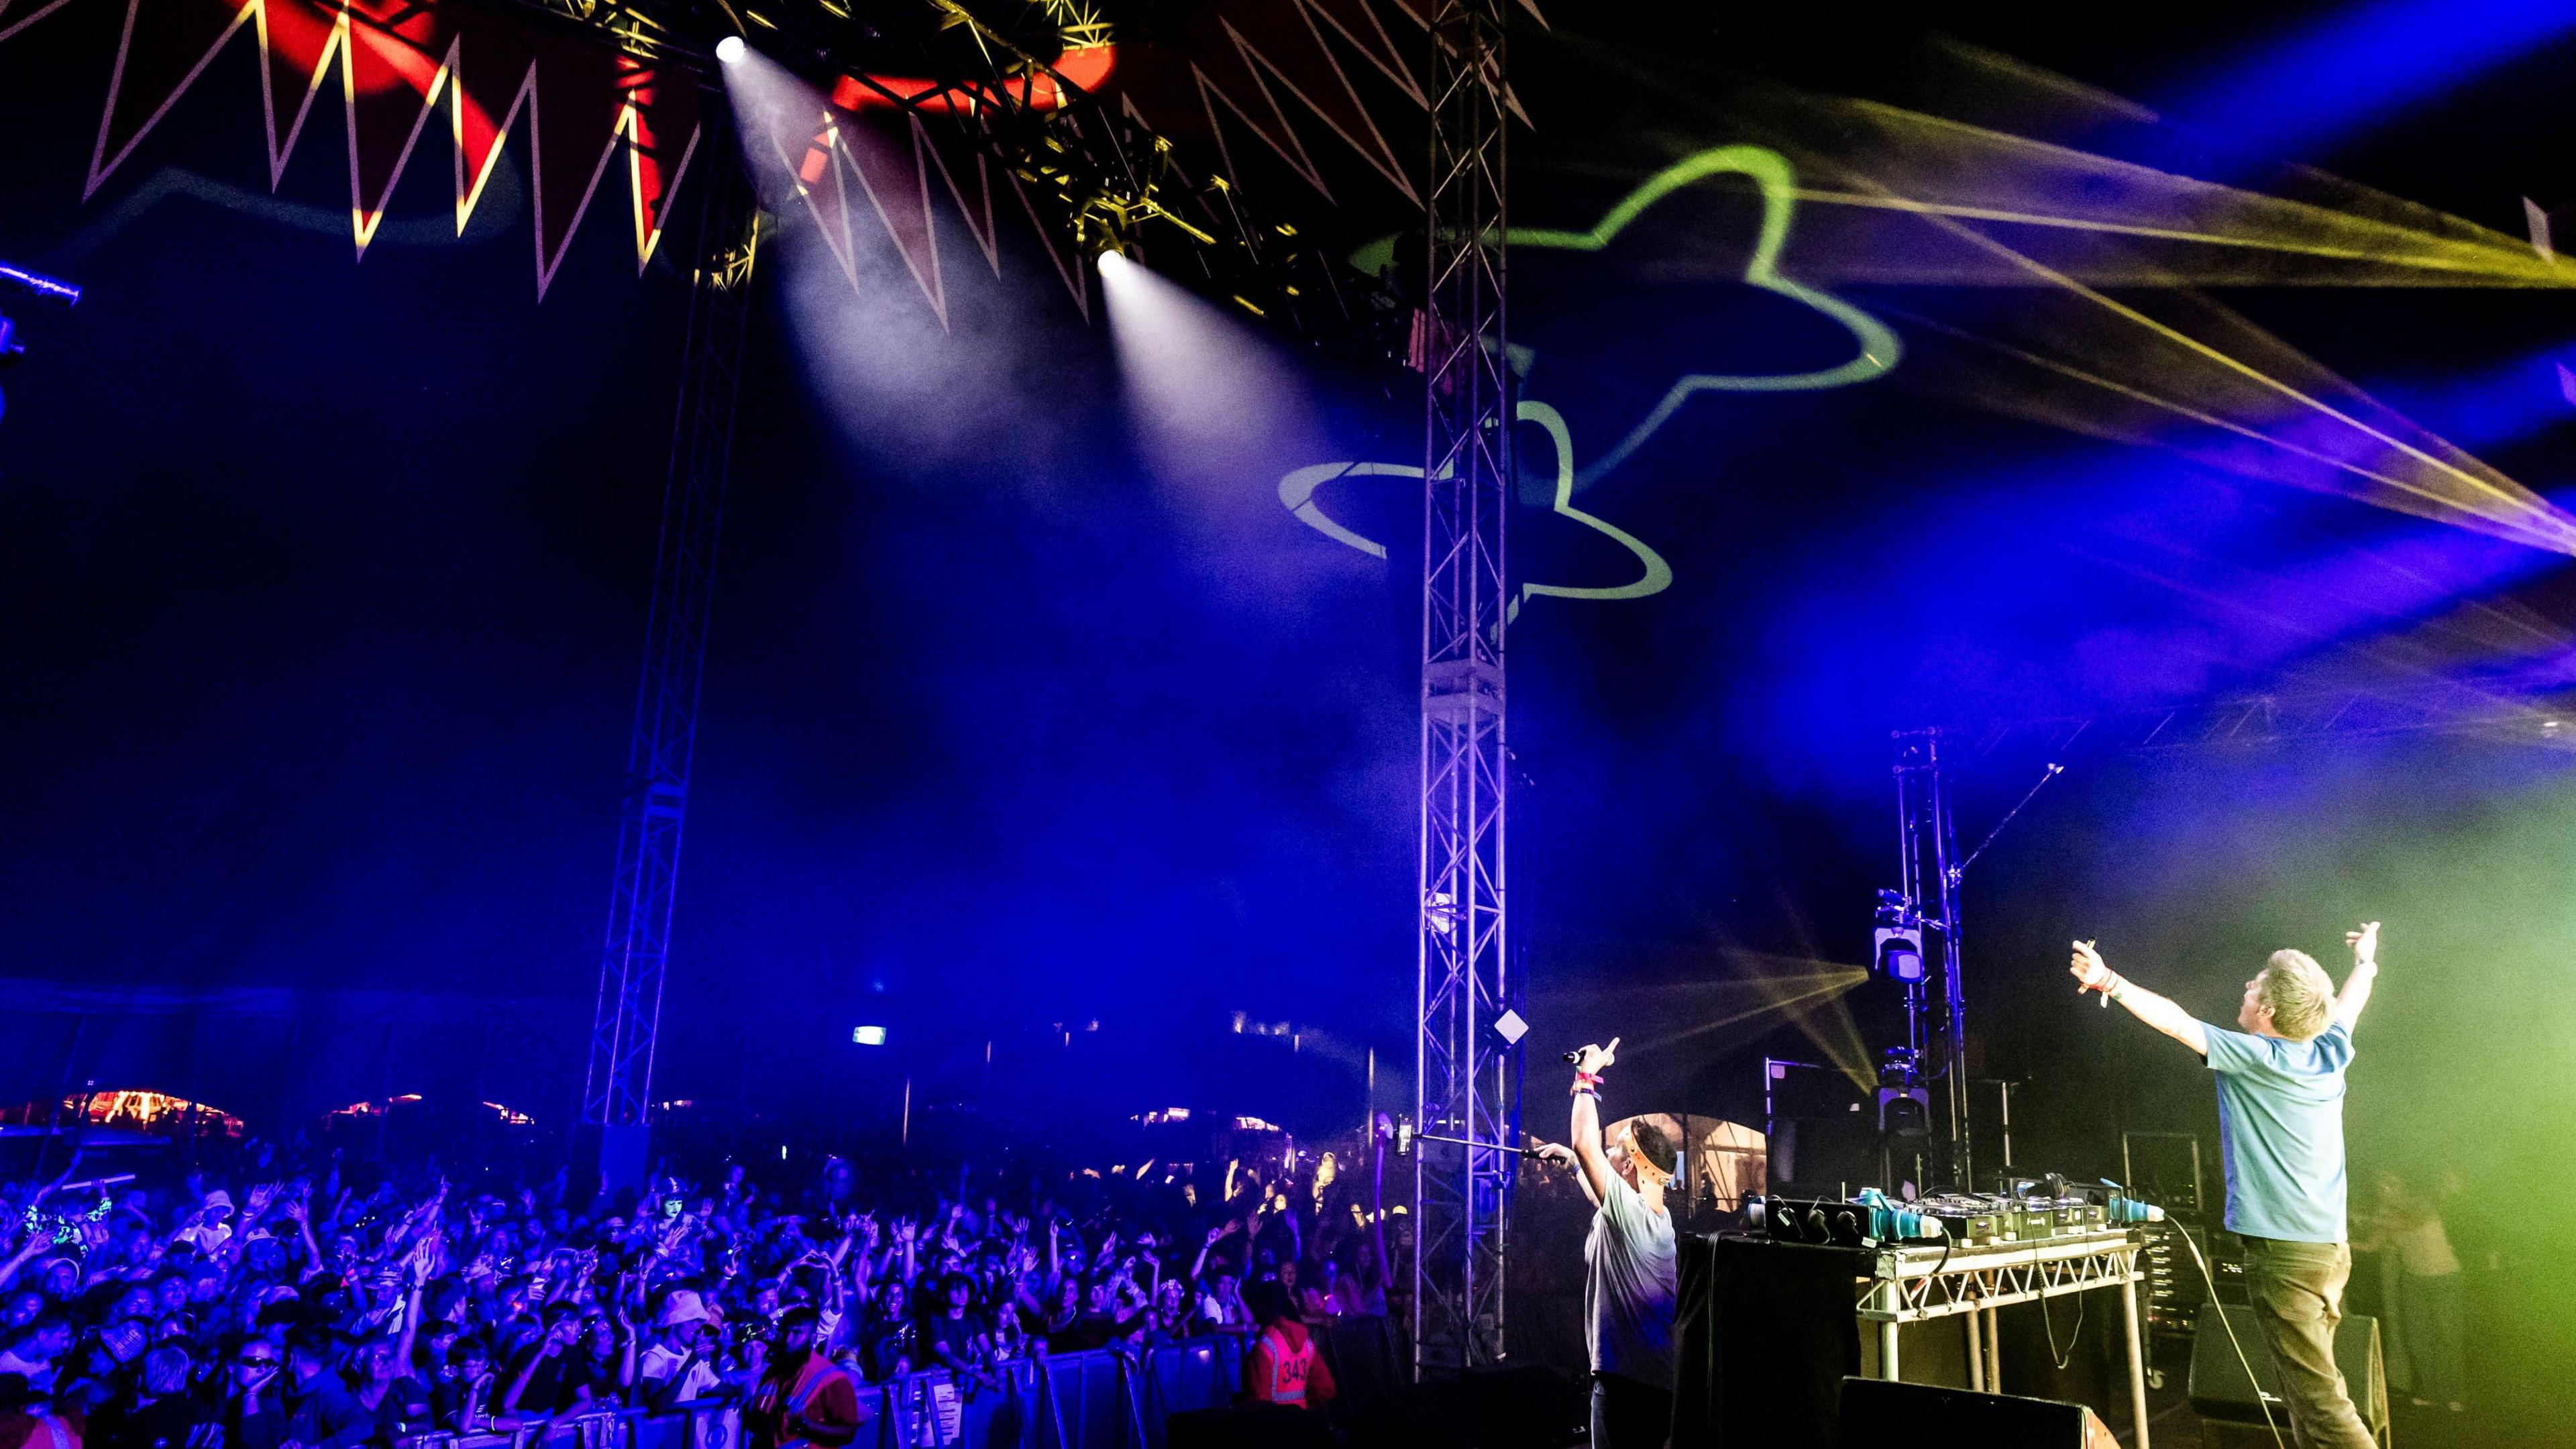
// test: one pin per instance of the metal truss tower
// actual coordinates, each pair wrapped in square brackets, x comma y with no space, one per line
[616,1094]
[1928,850]
[1465,1070]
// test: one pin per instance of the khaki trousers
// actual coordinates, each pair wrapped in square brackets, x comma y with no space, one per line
[2297,1293]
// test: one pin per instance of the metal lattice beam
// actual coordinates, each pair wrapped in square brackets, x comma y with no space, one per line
[1913,1284]
[1463,1070]
[627,1019]
[1928,857]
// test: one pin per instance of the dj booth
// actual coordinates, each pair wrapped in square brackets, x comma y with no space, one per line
[1768,1330]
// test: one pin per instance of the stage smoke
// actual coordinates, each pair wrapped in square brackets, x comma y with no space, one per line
[912,373]
[1218,412]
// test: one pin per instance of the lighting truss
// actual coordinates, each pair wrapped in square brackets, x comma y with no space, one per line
[1465,1071]
[1928,844]
[1928,857]
[661,31]
[999,87]
[626,1022]
[1119,187]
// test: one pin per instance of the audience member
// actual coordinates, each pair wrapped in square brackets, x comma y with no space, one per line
[313,1299]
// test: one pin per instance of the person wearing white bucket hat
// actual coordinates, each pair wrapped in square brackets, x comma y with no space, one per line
[210,1226]
[675,1369]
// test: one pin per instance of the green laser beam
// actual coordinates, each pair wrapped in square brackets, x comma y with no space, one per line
[1297,495]
[1877,347]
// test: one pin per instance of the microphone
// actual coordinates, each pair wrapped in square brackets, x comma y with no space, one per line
[1572,1057]
[1528,1149]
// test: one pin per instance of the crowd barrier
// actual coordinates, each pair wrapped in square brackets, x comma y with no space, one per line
[1105,1399]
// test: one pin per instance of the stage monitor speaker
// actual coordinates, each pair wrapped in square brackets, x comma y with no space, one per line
[1876,1414]
[2219,1389]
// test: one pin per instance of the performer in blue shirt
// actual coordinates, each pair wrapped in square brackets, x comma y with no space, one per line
[2280,1129]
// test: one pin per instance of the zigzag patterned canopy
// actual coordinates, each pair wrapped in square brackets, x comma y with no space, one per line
[1320,95]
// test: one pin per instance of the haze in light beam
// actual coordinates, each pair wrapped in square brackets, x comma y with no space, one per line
[2054,203]
[1865,167]
[1218,411]
[2180,371]
[1761,988]
[911,383]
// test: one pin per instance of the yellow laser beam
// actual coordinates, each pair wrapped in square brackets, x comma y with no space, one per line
[2308,228]
[2456,488]
[1819,986]
[2436,506]
[2476,270]
[1929,165]
[1805,990]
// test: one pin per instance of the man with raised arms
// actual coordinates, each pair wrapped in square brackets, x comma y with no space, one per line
[1628,1273]
[2280,1130]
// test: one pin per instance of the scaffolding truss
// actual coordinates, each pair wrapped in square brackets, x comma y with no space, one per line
[617,1089]
[1912,1284]
[1464,1066]
[1936,1008]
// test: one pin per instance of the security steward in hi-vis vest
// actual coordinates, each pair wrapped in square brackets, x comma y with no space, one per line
[1283,1366]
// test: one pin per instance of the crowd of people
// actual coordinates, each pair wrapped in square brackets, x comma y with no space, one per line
[292,1295]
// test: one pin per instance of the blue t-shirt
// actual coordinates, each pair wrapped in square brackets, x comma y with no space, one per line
[2280,1129]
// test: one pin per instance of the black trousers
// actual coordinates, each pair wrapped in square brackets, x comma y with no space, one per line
[1629,1414]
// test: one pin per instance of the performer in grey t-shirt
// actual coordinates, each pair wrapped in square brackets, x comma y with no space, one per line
[1628,1287]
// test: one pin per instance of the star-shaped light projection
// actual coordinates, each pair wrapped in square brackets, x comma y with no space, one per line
[1297,493]
[1874,347]
[1875,350]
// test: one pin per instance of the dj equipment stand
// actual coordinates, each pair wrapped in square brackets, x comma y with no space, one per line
[1916,1283]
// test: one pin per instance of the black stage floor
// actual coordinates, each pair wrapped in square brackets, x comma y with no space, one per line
[2173,1425]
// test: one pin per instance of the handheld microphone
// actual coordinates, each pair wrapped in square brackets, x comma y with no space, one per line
[1572,1057]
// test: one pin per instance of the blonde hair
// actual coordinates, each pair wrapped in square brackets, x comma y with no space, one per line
[2299,992]
[165,1371]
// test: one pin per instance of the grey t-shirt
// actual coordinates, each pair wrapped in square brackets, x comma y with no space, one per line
[1628,1288]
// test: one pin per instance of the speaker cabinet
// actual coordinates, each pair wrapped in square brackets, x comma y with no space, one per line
[2220,1390]
[1877,1414]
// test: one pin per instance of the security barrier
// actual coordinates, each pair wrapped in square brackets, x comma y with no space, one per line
[1105,1399]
